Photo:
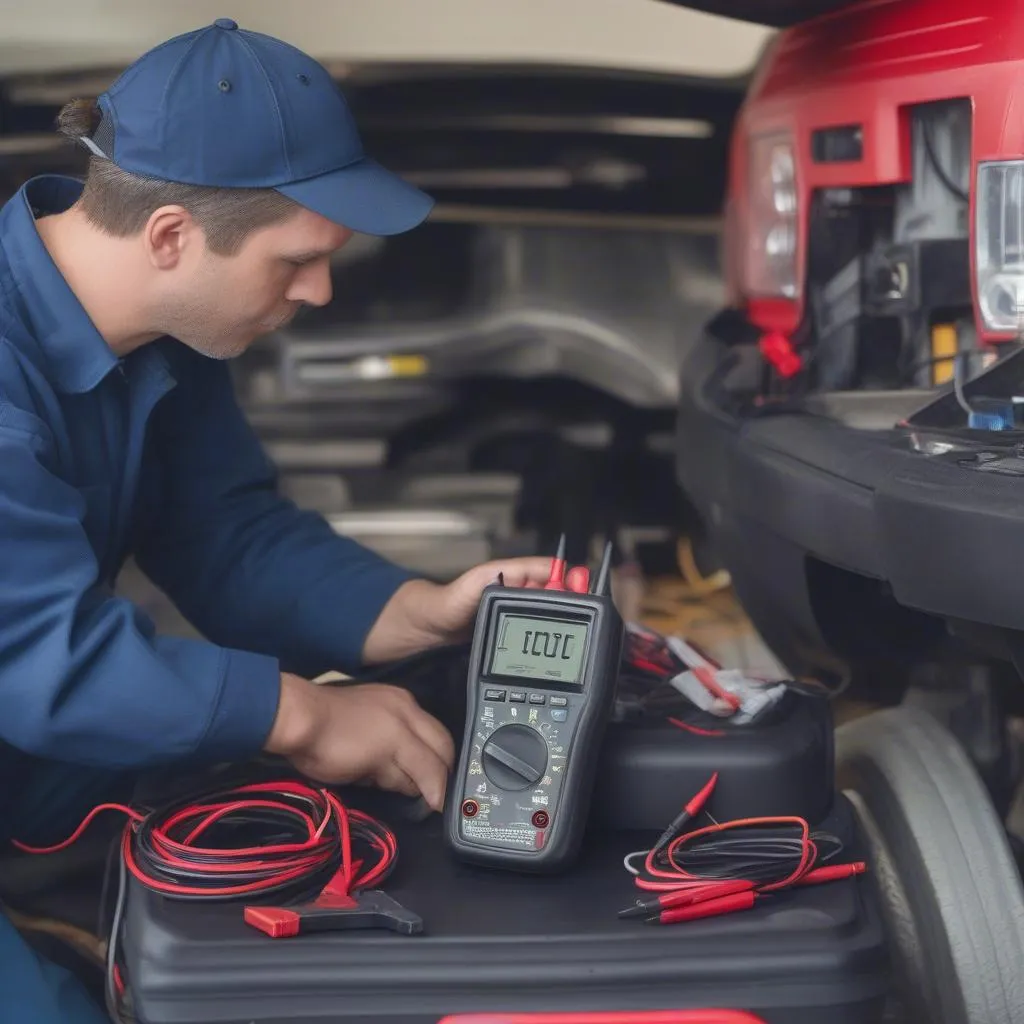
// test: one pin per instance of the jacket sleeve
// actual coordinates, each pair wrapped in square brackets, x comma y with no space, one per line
[83,678]
[246,566]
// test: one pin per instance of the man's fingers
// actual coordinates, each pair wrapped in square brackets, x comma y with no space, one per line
[433,733]
[428,771]
[521,572]
[392,778]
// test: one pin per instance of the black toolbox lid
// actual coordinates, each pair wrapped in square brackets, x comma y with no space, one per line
[496,941]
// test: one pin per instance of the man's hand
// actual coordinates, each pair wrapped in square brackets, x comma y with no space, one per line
[453,611]
[379,734]
[423,614]
[362,733]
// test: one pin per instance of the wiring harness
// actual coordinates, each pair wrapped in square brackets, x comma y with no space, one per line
[671,678]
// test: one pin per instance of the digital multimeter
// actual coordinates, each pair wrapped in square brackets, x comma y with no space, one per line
[541,688]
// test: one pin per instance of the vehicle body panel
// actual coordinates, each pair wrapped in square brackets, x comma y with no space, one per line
[866,65]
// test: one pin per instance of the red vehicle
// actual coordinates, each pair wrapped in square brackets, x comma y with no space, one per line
[852,451]
[891,123]
[850,425]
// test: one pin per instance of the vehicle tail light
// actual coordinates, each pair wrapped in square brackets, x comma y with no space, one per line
[772,230]
[999,238]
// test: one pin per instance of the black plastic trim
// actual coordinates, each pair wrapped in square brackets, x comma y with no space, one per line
[942,536]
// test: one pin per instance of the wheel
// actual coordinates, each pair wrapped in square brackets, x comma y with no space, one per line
[950,888]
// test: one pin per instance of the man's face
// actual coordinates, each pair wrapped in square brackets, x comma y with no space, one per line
[224,303]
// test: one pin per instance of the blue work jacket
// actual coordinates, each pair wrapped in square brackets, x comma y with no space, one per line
[150,456]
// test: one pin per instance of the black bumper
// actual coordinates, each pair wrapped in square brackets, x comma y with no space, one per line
[781,492]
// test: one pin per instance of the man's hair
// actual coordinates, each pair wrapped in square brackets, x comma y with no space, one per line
[119,203]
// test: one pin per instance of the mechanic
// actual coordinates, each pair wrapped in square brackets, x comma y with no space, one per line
[225,170]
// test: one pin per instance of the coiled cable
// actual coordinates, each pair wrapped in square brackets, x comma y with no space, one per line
[280,842]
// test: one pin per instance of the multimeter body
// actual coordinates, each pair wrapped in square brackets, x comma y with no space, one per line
[541,688]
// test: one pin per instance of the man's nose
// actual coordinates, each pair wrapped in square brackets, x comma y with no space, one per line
[313,284]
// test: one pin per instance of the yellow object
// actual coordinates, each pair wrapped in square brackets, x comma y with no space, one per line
[408,366]
[699,585]
[944,348]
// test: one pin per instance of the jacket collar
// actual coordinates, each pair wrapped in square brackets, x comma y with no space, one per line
[77,355]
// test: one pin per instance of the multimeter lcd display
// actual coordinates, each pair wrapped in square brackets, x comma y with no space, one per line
[543,649]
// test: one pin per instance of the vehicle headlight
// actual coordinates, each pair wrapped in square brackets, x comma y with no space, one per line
[999,238]
[771,264]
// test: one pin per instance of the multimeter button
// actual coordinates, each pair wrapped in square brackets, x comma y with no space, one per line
[494,695]
[537,698]
[559,702]
[517,696]
[559,716]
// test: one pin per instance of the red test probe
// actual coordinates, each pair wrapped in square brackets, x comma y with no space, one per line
[556,578]
[727,867]
[688,813]
[576,579]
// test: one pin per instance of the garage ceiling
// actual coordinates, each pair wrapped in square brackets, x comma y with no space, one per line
[50,36]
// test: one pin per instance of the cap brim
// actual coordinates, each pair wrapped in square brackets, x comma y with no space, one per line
[363,197]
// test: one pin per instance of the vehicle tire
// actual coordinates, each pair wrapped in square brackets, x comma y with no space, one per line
[951,892]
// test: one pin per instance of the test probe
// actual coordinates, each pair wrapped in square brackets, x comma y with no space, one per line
[727,866]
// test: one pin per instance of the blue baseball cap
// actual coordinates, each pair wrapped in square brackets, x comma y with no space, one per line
[225,107]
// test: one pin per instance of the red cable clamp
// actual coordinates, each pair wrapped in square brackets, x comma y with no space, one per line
[334,912]
[778,350]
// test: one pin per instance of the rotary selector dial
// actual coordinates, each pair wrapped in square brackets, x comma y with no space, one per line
[515,757]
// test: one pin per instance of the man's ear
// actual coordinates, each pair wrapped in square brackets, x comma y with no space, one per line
[167,234]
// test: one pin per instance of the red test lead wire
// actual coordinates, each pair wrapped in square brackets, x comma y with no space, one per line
[833,873]
[207,848]
[706,908]
[77,834]
[726,898]
[688,813]
[202,848]
[697,893]
[728,866]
